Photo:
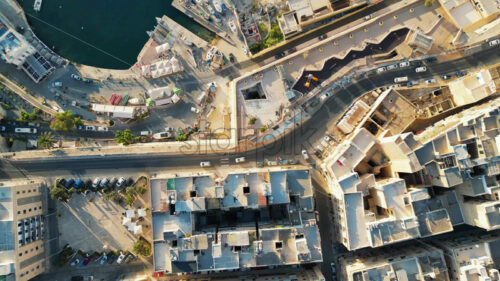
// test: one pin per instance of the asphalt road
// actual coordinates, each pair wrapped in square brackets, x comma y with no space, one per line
[286,147]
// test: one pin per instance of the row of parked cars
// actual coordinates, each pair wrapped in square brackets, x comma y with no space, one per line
[96,183]
[121,259]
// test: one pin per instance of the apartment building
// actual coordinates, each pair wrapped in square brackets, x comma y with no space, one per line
[16,50]
[302,13]
[472,256]
[469,15]
[248,219]
[388,186]
[473,87]
[411,262]
[370,174]
[22,252]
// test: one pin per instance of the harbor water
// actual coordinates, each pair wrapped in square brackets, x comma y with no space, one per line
[102,33]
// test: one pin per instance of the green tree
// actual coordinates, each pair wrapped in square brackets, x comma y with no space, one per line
[28,117]
[125,137]
[181,137]
[131,190]
[65,121]
[263,129]
[60,193]
[262,28]
[45,140]
[140,189]
[275,36]
[113,196]
[429,3]
[129,199]
[142,247]
[252,120]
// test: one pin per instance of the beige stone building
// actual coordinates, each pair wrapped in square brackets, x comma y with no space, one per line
[472,257]
[22,252]
[411,262]
[472,87]
[470,14]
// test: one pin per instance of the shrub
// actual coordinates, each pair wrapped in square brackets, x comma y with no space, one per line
[252,120]
[263,129]
[142,247]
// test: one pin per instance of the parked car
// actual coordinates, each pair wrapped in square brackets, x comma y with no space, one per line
[392,66]
[400,79]
[146,133]
[103,259]
[102,129]
[112,182]
[2,128]
[70,183]
[430,81]
[240,159]
[231,57]
[61,182]
[421,69]
[87,80]
[461,73]
[279,56]
[445,77]
[120,182]
[75,262]
[57,84]
[381,69]
[104,182]
[334,270]
[404,64]
[90,128]
[305,155]
[111,259]
[292,50]
[120,258]
[76,77]
[169,129]
[369,17]
[322,36]
[79,183]
[430,59]
[494,42]
[96,182]
[328,139]
[86,261]
[205,164]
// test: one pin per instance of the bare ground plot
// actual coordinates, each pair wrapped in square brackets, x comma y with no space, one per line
[90,223]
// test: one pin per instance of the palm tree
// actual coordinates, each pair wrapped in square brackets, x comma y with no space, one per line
[45,140]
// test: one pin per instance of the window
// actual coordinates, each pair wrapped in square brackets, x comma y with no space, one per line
[36,248]
[29,210]
[17,192]
[34,208]
[37,267]
[26,251]
[29,190]
[20,254]
[34,189]
[24,211]
[24,191]
[18,212]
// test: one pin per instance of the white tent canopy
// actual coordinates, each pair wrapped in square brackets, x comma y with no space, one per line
[130,214]
[126,221]
[141,212]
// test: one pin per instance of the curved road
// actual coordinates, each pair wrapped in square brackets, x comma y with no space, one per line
[286,147]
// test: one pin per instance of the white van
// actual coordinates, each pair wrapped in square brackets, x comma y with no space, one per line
[401,79]
[25,130]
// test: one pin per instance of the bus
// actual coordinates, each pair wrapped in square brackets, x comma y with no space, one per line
[26,130]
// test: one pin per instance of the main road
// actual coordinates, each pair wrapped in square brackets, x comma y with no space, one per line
[286,147]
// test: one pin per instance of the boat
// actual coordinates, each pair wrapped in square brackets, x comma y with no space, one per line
[38,5]
[186,41]
[232,26]
[217,6]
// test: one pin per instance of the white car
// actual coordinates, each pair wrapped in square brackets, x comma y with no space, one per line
[240,159]
[421,69]
[381,69]
[404,64]
[120,182]
[57,84]
[205,164]
[392,66]
[324,96]
[75,262]
[104,182]
[305,155]
[169,129]
[328,139]
[90,128]
[120,258]
[96,182]
[102,129]
[76,77]
[494,42]
[333,267]
[430,81]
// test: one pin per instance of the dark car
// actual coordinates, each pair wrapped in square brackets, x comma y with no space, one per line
[292,50]
[86,261]
[280,55]
[62,182]
[87,80]
[430,59]
[70,183]
[322,36]
[231,57]
[113,182]
[111,259]
[461,73]
[79,183]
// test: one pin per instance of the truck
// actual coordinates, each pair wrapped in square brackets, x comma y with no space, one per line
[25,130]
